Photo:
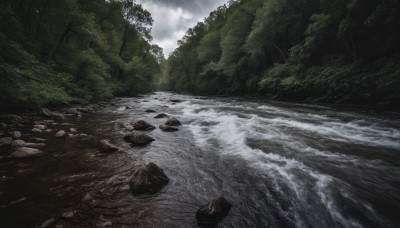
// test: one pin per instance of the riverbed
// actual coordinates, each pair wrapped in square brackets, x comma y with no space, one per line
[279,165]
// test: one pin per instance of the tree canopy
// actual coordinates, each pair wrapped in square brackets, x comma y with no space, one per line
[74,51]
[330,51]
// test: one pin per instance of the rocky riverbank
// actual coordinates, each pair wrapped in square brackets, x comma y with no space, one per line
[27,137]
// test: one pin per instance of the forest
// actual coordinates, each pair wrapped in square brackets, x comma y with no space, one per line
[344,51]
[54,53]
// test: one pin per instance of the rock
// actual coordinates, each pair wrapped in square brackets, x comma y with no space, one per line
[161,115]
[165,127]
[84,137]
[69,214]
[127,107]
[127,126]
[213,212]
[107,147]
[3,125]
[60,134]
[73,130]
[17,201]
[36,130]
[17,134]
[41,127]
[58,116]
[148,179]
[142,126]
[173,122]
[138,138]
[48,130]
[84,110]
[35,145]
[74,111]
[38,140]
[18,143]
[45,112]
[6,141]
[175,100]
[48,223]
[25,152]
[150,111]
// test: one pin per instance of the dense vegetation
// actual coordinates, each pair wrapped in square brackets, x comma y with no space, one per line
[55,52]
[314,50]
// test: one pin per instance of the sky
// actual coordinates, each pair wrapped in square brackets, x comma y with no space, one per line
[173,17]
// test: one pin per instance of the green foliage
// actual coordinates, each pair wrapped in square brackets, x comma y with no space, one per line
[326,51]
[70,51]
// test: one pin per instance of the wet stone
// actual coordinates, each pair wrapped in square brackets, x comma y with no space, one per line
[167,128]
[173,122]
[138,138]
[213,212]
[149,179]
[161,115]
[142,126]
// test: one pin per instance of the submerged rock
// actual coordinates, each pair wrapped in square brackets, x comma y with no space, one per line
[168,128]
[213,212]
[142,126]
[175,100]
[149,179]
[150,111]
[161,115]
[138,138]
[107,147]
[25,152]
[173,122]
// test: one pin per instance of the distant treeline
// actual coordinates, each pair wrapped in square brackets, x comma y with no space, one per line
[313,50]
[54,52]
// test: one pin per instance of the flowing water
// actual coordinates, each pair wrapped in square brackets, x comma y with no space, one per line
[279,164]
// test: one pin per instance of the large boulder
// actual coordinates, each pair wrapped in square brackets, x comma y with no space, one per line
[168,128]
[173,122]
[25,152]
[149,179]
[213,212]
[138,138]
[161,115]
[142,126]
[107,147]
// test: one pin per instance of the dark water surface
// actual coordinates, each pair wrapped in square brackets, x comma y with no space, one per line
[279,164]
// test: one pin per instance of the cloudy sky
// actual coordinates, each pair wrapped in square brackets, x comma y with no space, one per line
[173,17]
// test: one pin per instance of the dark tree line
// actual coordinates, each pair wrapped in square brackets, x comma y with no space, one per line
[54,52]
[315,50]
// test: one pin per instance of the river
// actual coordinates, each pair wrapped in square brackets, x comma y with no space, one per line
[279,165]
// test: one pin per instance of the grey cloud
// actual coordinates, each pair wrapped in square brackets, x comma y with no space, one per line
[173,17]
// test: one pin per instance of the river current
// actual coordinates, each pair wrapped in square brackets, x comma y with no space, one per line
[279,165]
